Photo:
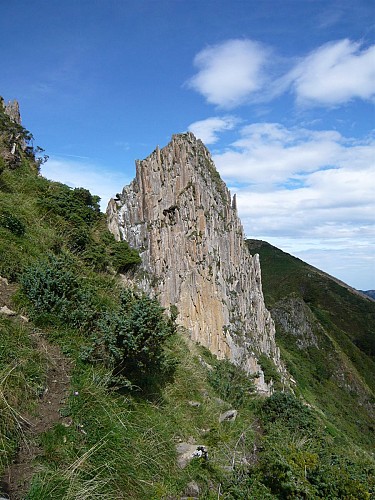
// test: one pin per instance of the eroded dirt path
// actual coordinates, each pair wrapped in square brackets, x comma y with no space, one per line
[46,414]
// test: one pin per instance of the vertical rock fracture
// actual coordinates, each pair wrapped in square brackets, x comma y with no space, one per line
[180,215]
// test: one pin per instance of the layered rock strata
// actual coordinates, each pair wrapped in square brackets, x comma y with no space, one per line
[180,215]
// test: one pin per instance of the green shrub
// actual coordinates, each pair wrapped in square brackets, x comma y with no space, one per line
[96,256]
[103,252]
[54,292]
[12,223]
[123,257]
[285,408]
[78,239]
[231,383]
[131,341]
[77,206]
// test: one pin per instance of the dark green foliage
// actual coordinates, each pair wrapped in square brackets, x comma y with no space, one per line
[96,256]
[78,239]
[131,341]
[78,206]
[12,223]
[231,383]
[269,370]
[284,407]
[129,338]
[122,256]
[55,293]
[105,251]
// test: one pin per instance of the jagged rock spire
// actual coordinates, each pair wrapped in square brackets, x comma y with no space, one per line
[12,109]
[180,215]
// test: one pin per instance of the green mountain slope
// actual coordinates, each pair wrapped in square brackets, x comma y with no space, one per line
[99,392]
[326,331]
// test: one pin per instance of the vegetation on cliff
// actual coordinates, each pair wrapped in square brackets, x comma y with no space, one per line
[327,335]
[137,387]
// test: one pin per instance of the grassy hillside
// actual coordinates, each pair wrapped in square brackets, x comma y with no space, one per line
[327,335]
[99,391]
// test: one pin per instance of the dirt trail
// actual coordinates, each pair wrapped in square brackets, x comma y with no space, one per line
[47,413]
[17,478]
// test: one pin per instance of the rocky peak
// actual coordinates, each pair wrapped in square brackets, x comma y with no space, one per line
[12,109]
[180,215]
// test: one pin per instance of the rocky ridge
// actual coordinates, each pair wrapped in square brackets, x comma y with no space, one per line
[181,217]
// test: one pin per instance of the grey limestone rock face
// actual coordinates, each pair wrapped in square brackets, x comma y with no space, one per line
[181,216]
[12,109]
[296,318]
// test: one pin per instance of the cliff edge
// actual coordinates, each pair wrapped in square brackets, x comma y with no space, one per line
[180,215]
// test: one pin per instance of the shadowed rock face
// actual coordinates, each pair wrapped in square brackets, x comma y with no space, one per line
[180,215]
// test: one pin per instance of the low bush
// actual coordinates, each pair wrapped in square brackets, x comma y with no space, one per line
[284,407]
[12,223]
[56,294]
[231,383]
[77,206]
[131,341]
[123,257]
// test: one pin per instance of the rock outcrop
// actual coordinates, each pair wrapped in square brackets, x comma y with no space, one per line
[12,136]
[12,109]
[180,215]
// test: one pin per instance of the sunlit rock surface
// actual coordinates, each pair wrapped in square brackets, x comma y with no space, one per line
[180,215]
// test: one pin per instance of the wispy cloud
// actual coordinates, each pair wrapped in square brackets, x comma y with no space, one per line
[99,180]
[334,74]
[237,72]
[270,153]
[229,72]
[302,183]
[207,130]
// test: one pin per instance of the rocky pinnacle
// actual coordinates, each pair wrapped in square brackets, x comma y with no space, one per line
[181,217]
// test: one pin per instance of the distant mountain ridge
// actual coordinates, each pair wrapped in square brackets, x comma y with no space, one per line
[369,293]
[326,332]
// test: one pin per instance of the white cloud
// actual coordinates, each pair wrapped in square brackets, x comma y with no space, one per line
[236,72]
[334,74]
[96,179]
[270,154]
[229,72]
[314,189]
[207,129]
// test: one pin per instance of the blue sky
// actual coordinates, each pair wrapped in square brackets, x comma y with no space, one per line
[281,91]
